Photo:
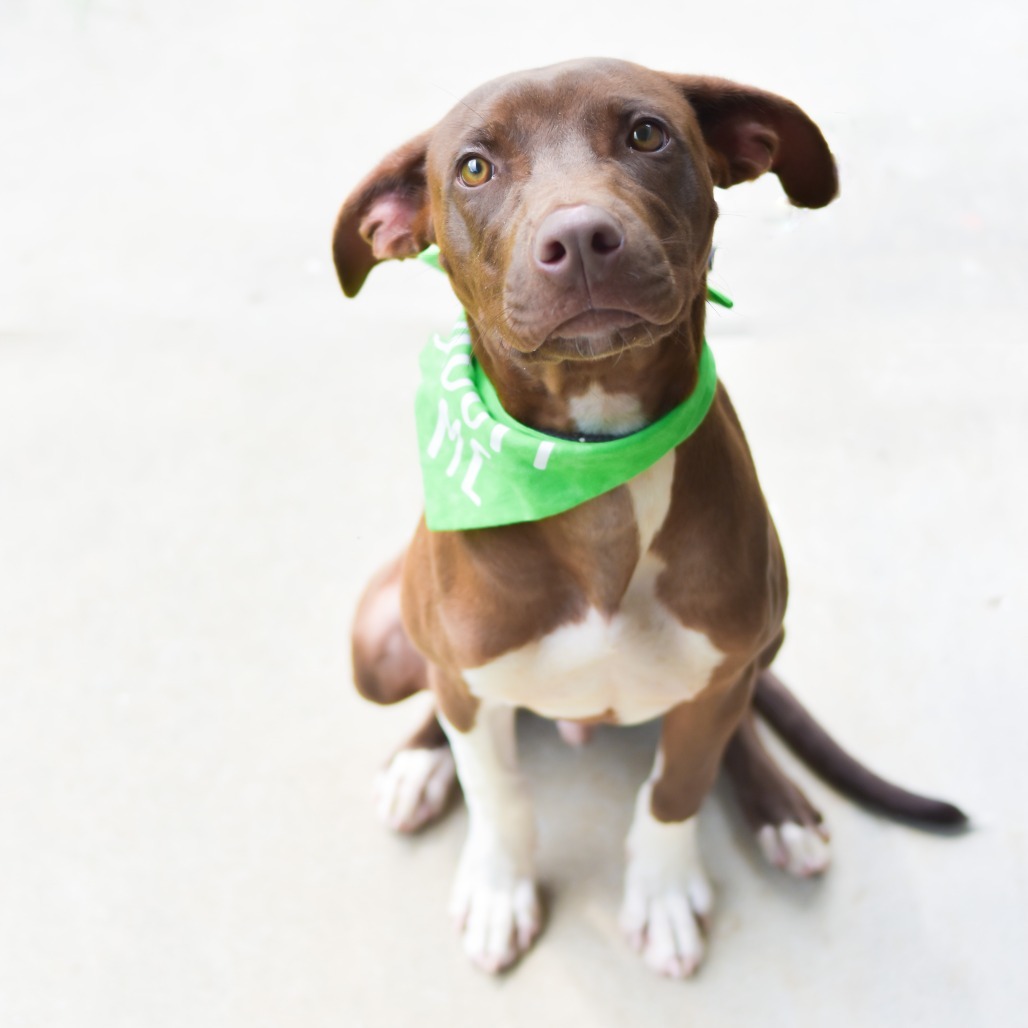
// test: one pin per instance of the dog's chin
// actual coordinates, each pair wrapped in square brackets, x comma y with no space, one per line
[595,334]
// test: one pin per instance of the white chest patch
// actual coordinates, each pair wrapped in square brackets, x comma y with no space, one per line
[635,664]
[597,412]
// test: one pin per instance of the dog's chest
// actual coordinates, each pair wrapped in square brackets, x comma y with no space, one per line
[629,665]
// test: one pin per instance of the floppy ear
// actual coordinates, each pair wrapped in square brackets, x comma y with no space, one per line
[749,132]
[387,215]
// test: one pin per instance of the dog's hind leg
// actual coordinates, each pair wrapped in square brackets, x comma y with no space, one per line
[789,829]
[414,786]
[386,666]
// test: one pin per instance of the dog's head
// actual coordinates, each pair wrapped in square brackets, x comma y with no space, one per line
[573,206]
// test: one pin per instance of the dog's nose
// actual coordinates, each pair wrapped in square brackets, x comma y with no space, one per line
[575,241]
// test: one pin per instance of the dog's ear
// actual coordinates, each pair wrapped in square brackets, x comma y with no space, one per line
[749,132]
[386,216]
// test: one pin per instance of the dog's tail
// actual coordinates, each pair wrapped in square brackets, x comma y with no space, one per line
[815,747]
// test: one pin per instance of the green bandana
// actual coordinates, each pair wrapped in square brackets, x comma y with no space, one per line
[481,468]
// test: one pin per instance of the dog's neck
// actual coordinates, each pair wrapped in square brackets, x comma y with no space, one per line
[605,397]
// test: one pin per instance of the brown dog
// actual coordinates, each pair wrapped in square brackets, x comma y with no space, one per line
[573,208]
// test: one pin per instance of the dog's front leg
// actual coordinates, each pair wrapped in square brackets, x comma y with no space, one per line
[494,898]
[667,895]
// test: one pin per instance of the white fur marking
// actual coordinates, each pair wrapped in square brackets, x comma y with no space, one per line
[651,498]
[666,891]
[638,663]
[494,901]
[801,850]
[597,412]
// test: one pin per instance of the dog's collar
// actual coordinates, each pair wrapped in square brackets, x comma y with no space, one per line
[480,468]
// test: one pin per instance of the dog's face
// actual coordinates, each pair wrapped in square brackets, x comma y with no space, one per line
[573,205]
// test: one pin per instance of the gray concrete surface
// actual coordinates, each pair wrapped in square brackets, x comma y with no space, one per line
[204,451]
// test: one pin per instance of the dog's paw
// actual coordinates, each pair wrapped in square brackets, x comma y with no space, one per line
[663,920]
[668,899]
[413,788]
[497,914]
[800,850]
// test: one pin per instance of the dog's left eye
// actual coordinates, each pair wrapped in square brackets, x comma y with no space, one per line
[647,137]
[475,171]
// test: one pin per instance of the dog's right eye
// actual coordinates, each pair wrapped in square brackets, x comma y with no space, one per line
[475,171]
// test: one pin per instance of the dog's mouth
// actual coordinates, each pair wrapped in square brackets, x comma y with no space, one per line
[595,323]
[580,326]
[595,333]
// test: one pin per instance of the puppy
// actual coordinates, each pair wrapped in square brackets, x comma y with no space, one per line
[596,547]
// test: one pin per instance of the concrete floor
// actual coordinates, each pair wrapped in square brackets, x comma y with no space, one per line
[204,451]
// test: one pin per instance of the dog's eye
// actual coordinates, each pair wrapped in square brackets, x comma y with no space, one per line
[647,137]
[475,171]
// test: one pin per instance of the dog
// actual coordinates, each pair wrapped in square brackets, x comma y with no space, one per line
[573,209]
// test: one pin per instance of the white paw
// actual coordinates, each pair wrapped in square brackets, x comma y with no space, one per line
[662,920]
[496,912]
[801,850]
[667,895]
[413,788]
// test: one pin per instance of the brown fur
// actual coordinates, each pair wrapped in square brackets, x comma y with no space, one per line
[469,597]
[579,250]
